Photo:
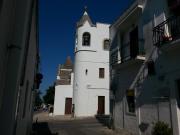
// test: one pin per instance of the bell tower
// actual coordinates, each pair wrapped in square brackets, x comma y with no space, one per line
[89,58]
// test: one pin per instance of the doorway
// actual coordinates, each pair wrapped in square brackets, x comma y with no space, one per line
[134,47]
[68,105]
[101,104]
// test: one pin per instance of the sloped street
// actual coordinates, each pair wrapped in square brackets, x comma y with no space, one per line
[65,125]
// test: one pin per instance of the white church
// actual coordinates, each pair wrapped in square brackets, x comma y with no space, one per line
[90,89]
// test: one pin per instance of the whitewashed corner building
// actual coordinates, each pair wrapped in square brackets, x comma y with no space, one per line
[91,68]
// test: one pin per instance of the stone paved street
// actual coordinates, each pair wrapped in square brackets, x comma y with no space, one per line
[67,126]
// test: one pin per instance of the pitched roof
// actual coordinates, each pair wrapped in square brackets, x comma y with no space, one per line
[68,64]
[68,61]
[85,18]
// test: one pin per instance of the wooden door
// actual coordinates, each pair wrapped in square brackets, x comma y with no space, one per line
[101,104]
[134,47]
[68,105]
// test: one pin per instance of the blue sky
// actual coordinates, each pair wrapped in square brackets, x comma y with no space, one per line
[57,24]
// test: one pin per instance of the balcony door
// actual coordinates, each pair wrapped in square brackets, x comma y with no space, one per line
[134,47]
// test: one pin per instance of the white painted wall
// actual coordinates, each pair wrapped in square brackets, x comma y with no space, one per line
[149,107]
[61,93]
[88,87]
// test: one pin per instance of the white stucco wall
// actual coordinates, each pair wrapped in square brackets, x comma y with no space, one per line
[88,87]
[61,93]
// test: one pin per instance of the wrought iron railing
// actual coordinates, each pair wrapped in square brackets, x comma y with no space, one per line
[167,31]
[125,52]
[173,2]
[174,5]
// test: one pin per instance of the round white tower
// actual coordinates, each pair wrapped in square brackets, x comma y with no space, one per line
[91,68]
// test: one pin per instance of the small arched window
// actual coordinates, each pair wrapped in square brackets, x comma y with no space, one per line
[86,39]
[106,44]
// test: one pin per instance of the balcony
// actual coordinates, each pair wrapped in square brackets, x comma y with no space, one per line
[131,51]
[128,55]
[130,16]
[167,32]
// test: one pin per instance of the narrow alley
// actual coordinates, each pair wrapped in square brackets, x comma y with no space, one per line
[65,125]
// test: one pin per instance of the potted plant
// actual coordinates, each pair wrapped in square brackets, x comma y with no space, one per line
[161,128]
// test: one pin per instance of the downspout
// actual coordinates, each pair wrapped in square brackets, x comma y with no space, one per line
[139,119]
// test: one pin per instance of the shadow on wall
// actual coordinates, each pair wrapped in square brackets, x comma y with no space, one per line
[153,94]
[42,128]
[155,88]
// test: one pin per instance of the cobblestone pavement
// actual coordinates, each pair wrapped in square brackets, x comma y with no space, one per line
[65,125]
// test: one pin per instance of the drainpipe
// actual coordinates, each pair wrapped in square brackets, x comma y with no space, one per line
[170,114]
[123,112]
[139,119]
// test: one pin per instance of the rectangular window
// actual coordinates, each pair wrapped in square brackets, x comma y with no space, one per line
[101,72]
